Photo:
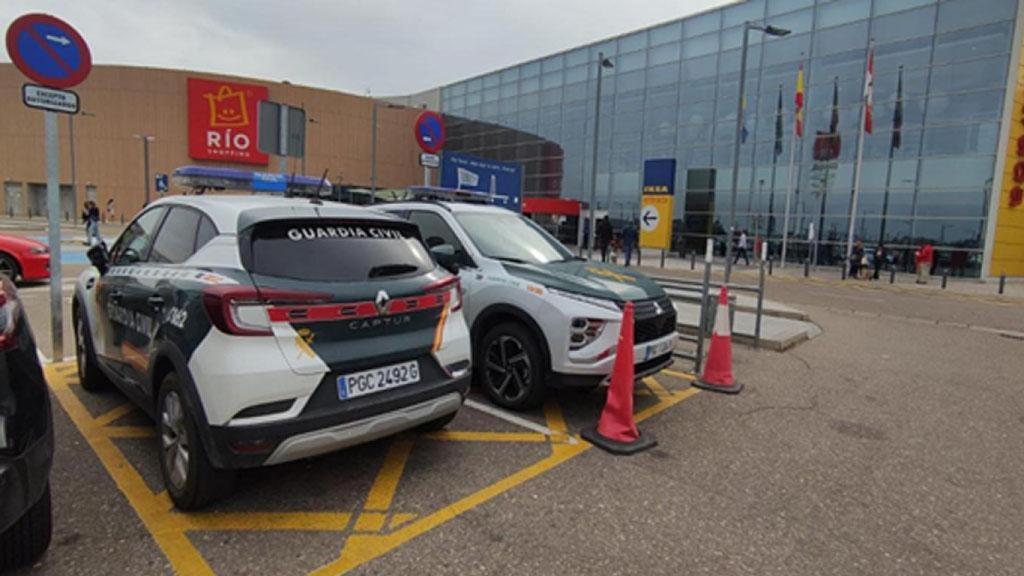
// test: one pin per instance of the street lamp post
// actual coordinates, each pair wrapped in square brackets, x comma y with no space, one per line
[146,139]
[747,27]
[602,63]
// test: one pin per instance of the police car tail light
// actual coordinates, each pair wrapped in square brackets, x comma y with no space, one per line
[10,310]
[451,285]
[242,311]
[583,331]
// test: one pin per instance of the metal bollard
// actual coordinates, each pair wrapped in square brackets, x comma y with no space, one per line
[1002,282]
[807,268]
[892,275]
[122,217]
[843,267]
[945,277]
[760,295]
[662,258]
[693,259]
[703,322]
[771,265]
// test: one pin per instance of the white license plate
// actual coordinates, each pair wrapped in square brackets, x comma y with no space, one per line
[378,379]
[655,350]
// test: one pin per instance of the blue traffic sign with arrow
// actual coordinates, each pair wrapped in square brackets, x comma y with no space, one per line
[48,50]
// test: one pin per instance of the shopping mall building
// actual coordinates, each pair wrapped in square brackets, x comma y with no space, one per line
[673,92]
[952,178]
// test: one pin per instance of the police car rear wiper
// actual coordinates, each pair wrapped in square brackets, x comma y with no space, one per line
[391,270]
[511,259]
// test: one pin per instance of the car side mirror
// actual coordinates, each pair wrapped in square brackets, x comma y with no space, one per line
[445,256]
[99,257]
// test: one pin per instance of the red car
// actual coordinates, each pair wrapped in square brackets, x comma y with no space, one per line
[24,258]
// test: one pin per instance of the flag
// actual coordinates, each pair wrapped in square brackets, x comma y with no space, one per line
[897,113]
[743,127]
[828,145]
[798,116]
[778,125]
[869,89]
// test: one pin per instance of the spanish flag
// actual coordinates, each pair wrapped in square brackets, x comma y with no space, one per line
[799,115]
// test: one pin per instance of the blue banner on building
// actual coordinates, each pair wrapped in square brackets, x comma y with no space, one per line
[503,180]
[660,176]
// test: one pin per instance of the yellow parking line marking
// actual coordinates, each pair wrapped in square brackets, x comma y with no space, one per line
[656,388]
[556,421]
[384,487]
[677,374]
[129,432]
[113,414]
[290,521]
[471,436]
[152,509]
[370,522]
[400,518]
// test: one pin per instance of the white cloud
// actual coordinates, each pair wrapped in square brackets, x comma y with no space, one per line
[387,46]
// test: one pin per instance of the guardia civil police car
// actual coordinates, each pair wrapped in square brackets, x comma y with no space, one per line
[538,315]
[259,330]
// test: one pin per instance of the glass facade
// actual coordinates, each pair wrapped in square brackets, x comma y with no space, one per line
[673,92]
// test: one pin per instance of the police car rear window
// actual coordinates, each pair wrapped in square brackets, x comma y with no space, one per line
[336,251]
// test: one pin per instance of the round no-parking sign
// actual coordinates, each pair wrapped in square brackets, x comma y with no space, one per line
[48,50]
[429,132]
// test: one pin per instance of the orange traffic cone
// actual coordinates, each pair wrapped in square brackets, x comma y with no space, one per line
[616,431]
[717,375]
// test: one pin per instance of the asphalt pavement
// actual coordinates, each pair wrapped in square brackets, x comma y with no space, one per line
[890,444]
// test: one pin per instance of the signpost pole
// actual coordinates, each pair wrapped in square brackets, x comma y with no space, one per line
[426,176]
[71,152]
[145,162]
[53,210]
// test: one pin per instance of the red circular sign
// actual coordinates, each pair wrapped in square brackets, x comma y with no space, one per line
[429,132]
[48,50]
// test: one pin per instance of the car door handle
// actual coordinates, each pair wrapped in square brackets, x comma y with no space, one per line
[116,296]
[155,301]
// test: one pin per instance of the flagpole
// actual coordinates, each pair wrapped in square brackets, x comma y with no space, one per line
[892,153]
[860,153]
[789,194]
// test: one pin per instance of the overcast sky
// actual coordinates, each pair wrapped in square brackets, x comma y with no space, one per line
[388,47]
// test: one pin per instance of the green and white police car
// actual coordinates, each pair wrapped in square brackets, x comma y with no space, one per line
[538,315]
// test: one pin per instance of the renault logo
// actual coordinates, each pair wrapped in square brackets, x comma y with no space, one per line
[657,309]
[381,302]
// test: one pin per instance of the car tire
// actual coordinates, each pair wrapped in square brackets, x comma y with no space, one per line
[510,367]
[9,267]
[438,424]
[29,536]
[90,375]
[191,480]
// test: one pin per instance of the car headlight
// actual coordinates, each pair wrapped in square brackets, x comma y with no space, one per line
[39,250]
[608,305]
[583,331]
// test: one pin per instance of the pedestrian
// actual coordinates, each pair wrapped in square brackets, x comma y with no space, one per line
[629,237]
[923,260]
[604,236]
[856,258]
[91,219]
[880,257]
[110,210]
[741,249]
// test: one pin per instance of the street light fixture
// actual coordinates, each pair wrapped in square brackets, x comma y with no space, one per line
[747,27]
[146,139]
[602,64]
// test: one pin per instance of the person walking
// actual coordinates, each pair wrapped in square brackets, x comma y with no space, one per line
[856,259]
[923,260]
[604,236]
[880,257]
[629,238]
[741,249]
[91,218]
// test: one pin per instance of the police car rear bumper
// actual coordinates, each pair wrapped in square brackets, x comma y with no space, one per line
[346,424]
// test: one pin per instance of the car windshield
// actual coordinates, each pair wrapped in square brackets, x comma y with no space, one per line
[509,236]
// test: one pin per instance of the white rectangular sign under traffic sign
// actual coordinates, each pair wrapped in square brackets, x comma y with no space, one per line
[430,160]
[52,99]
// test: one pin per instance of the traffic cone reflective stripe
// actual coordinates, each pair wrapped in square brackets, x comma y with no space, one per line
[616,430]
[717,374]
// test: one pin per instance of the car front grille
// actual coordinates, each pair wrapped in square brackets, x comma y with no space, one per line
[653,319]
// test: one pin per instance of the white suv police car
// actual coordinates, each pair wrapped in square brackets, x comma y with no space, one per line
[259,330]
[538,315]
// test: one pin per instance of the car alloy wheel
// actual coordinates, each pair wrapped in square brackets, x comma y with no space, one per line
[507,368]
[174,440]
[8,267]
